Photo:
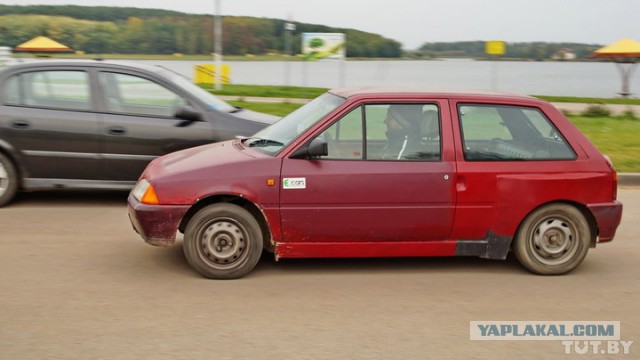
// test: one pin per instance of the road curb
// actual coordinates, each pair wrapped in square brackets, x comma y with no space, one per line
[615,109]
[629,179]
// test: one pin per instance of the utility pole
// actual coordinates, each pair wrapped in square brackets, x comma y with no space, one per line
[289,26]
[217,48]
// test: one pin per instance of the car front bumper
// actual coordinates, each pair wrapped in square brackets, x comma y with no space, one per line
[156,224]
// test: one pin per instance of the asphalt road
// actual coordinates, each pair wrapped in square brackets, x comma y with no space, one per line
[77,283]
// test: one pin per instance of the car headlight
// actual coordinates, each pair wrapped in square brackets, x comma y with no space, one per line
[145,193]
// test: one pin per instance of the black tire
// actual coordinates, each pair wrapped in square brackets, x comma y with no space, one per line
[8,180]
[553,240]
[223,241]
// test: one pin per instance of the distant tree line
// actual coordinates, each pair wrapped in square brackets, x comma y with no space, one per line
[100,30]
[523,50]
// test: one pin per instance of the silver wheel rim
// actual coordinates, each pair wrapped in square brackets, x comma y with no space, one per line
[4,180]
[223,243]
[554,241]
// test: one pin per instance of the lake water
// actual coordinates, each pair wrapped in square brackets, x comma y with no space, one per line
[587,79]
[592,79]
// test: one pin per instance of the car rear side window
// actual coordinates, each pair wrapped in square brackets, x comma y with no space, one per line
[498,132]
[59,89]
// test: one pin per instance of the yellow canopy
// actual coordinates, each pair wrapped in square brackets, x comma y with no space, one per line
[42,44]
[625,48]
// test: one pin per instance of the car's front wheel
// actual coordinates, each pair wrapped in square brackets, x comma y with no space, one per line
[553,240]
[8,180]
[223,241]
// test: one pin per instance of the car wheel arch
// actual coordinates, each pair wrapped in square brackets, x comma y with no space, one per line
[8,152]
[14,155]
[231,199]
[579,206]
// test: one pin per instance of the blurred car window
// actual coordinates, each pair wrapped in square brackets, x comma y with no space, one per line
[67,90]
[211,100]
[138,96]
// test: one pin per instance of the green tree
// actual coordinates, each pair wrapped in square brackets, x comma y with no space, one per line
[160,36]
[132,30]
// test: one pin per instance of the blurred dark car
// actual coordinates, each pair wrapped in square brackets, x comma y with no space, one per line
[97,124]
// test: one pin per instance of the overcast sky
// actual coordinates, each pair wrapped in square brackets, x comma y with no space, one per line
[414,22]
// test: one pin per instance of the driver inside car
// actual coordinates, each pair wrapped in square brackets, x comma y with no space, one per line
[404,138]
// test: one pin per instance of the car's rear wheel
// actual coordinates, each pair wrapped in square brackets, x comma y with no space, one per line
[223,241]
[553,240]
[8,180]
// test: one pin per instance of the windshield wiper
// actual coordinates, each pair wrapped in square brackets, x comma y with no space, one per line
[255,141]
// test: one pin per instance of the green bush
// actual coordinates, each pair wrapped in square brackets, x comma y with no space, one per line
[596,111]
[629,114]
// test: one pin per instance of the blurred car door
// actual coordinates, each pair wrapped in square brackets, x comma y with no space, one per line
[50,117]
[139,123]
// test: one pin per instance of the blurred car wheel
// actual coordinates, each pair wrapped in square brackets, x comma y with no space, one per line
[8,180]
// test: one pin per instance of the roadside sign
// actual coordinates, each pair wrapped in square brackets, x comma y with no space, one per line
[206,74]
[495,47]
[316,46]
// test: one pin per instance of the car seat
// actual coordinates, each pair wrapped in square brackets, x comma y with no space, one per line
[430,126]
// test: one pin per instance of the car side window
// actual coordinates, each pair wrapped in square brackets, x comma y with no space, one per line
[134,95]
[509,133]
[391,132]
[58,89]
[344,137]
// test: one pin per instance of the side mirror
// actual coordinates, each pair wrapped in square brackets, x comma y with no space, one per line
[187,113]
[316,148]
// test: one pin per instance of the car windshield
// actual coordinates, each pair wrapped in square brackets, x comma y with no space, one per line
[211,100]
[274,138]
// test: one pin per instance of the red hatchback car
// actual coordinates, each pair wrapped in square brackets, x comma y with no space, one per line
[378,172]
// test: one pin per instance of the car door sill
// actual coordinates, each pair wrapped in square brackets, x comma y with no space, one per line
[42,184]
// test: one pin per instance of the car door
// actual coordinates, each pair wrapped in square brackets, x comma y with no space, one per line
[138,123]
[354,194]
[512,158]
[49,117]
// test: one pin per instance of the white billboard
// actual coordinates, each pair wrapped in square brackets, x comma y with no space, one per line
[316,46]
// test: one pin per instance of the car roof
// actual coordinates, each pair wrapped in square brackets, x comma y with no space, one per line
[422,92]
[85,63]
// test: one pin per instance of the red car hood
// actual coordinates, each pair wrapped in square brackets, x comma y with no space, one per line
[184,177]
[197,158]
